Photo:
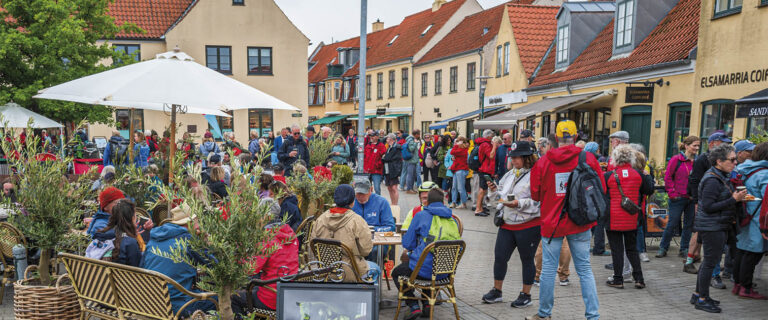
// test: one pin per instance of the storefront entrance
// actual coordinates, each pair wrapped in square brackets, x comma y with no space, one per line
[679,126]
[637,121]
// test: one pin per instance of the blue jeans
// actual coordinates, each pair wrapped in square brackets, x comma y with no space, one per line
[447,182]
[403,175]
[680,209]
[579,245]
[640,238]
[459,187]
[418,176]
[411,172]
[376,181]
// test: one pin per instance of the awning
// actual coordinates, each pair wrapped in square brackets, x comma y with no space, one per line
[327,120]
[366,117]
[468,115]
[753,105]
[394,116]
[509,119]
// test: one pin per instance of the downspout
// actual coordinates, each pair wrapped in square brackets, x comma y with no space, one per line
[413,99]
[480,90]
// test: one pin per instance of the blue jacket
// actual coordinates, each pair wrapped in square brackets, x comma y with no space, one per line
[100,220]
[208,147]
[254,148]
[448,163]
[343,151]
[749,238]
[278,142]
[162,238]
[289,210]
[413,240]
[141,154]
[376,213]
[130,254]
[107,158]
[501,160]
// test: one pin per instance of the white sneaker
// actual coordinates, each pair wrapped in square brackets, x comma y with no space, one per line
[450,206]
[644,257]
[627,277]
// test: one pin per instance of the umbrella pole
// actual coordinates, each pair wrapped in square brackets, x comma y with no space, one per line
[172,149]
[130,138]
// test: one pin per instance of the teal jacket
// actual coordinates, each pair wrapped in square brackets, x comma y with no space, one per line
[749,237]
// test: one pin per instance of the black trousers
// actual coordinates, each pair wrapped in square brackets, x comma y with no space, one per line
[427,173]
[598,232]
[403,270]
[713,243]
[621,242]
[526,241]
[744,263]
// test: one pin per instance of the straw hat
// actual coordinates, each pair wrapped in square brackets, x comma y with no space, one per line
[182,214]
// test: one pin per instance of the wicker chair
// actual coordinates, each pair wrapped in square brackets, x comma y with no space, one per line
[447,255]
[330,251]
[9,237]
[303,232]
[159,213]
[141,212]
[459,224]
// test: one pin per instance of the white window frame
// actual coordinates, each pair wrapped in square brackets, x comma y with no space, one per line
[311,94]
[321,95]
[563,43]
[498,61]
[506,58]
[625,18]
[393,39]
[427,29]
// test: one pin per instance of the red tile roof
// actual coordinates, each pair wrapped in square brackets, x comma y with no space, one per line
[534,28]
[410,40]
[153,16]
[468,35]
[324,56]
[672,40]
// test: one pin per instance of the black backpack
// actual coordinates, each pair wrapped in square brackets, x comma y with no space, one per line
[119,151]
[473,161]
[585,201]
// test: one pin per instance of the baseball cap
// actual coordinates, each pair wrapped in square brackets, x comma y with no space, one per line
[526,133]
[362,186]
[744,145]
[311,128]
[566,128]
[623,135]
[520,149]
[719,136]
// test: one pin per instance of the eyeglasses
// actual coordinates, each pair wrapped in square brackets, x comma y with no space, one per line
[732,159]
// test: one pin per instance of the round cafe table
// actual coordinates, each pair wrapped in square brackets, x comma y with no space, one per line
[382,239]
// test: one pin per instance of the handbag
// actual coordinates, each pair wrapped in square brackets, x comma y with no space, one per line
[498,219]
[626,203]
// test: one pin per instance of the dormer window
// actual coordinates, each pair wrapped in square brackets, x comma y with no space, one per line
[485,30]
[393,39]
[427,29]
[624,20]
[342,56]
[562,44]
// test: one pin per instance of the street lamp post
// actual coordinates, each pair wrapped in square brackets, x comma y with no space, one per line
[361,85]
[483,82]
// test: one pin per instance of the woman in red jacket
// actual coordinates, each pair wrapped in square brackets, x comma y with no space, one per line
[460,169]
[374,151]
[625,182]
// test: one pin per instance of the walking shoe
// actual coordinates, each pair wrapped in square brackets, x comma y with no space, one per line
[614,283]
[726,275]
[661,254]
[415,312]
[482,214]
[749,293]
[609,266]
[523,300]
[690,268]
[639,285]
[604,253]
[644,257]
[736,289]
[564,282]
[695,297]
[463,206]
[706,305]
[425,311]
[717,283]
[493,296]
[536,283]
[682,253]
[537,317]
[626,276]
[411,192]
[450,205]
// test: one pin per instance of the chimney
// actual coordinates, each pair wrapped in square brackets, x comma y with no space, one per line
[437,4]
[378,25]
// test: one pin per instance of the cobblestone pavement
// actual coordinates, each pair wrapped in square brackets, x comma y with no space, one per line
[665,298]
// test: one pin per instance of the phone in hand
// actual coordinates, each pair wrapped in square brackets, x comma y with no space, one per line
[143,221]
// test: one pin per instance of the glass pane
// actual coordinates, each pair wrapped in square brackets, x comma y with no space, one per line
[266,52]
[224,67]
[224,52]
[737,3]
[757,126]
[211,51]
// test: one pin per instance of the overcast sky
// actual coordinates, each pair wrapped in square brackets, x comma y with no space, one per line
[340,19]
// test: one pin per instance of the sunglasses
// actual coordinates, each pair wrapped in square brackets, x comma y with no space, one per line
[296,133]
[732,159]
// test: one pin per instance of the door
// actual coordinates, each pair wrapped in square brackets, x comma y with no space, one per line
[679,126]
[637,121]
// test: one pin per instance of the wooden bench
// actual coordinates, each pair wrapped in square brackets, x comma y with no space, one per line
[109,290]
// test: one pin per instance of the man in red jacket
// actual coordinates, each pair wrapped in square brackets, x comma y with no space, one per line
[548,185]
[372,164]
[487,157]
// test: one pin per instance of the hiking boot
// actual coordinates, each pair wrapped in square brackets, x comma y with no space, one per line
[661,254]
[415,312]
[690,268]
[493,296]
[537,317]
[736,289]
[749,293]
[717,283]
[565,282]
[706,305]
[615,283]
[523,300]
[695,297]
[644,257]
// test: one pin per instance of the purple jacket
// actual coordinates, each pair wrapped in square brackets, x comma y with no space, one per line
[676,182]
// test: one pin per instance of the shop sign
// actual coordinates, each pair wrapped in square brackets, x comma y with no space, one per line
[639,95]
[738,77]
[752,110]
[506,98]
[296,115]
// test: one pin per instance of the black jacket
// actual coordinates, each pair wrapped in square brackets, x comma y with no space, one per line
[700,166]
[218,187]
[393,162]
[717,208]
[285,150]
[289,210]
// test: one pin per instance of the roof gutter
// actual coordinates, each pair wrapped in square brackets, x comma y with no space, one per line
[408,59]
[448,57]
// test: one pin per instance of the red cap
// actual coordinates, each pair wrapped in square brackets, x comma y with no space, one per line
[109,195]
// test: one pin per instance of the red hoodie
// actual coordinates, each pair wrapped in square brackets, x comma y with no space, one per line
[487,163]
[459,158]
[548,179]
[373,153]
[287,255]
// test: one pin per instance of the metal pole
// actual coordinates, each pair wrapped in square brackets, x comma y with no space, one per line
[172,149]
[361,85]
[130,138]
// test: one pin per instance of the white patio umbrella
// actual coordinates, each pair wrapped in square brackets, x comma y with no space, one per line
[172,81]
[16,116]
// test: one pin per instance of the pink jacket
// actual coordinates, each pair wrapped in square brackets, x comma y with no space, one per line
[676,182]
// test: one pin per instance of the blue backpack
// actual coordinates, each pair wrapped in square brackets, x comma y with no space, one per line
[407,154]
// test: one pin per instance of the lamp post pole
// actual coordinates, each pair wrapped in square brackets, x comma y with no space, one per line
[361,85]
[483,82]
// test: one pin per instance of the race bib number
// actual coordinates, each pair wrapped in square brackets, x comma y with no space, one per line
[624,173]
[561,180]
